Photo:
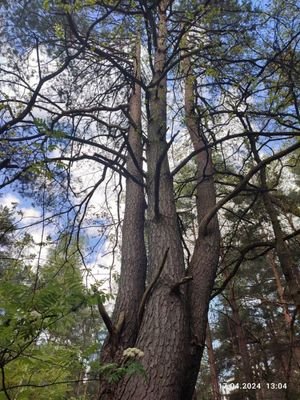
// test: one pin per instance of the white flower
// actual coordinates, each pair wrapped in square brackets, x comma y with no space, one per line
[35,314]
[133,352]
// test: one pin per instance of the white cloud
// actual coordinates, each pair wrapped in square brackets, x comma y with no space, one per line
[9,200]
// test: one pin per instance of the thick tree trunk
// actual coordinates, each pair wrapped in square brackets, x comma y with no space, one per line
[171,324]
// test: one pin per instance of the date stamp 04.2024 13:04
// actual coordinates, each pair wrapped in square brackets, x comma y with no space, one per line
[228,387]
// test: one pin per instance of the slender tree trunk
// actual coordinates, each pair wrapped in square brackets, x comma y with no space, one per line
[216,395]
[280,290]
[133,261]
[242,344]
[290,358]
[205,257]
[289,268]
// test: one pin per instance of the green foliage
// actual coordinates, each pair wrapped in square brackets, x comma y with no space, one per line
[43,315]
[40,124]
[113,372]
[36,373]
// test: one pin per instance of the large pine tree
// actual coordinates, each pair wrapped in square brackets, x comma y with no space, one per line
[120,87]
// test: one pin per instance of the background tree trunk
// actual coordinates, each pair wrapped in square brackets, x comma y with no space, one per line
[280,289]
[216,395]
[289,268]
[243,350]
